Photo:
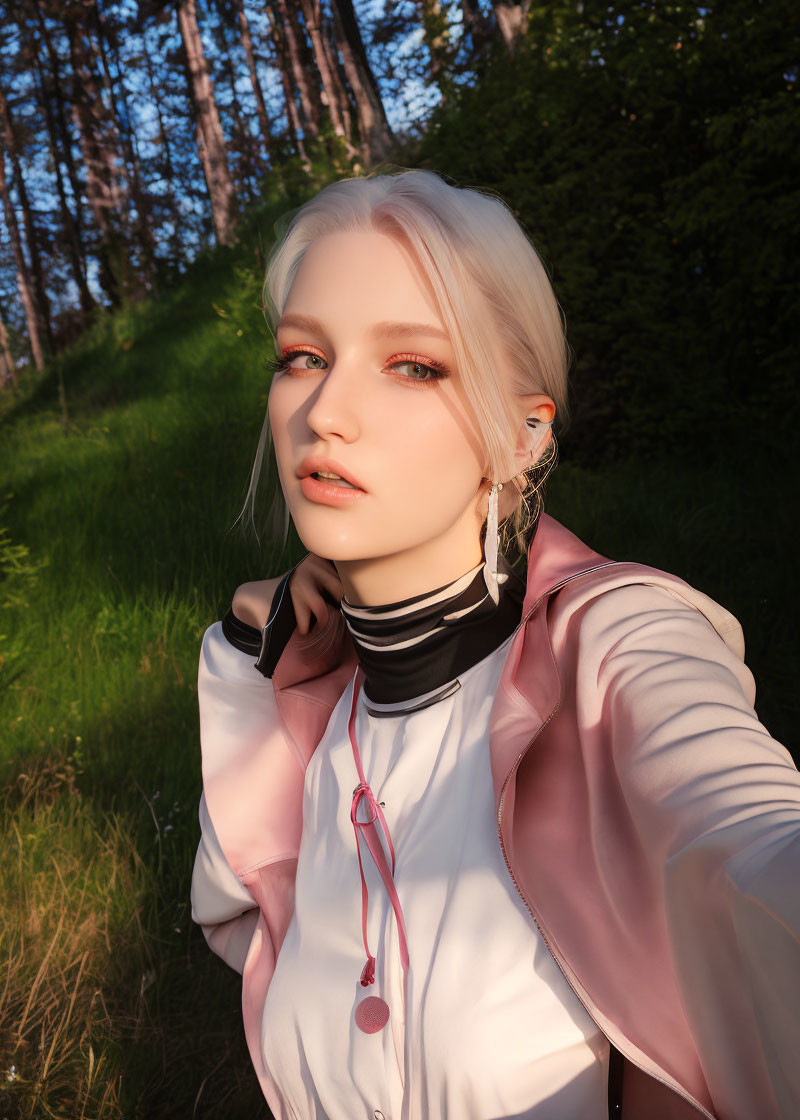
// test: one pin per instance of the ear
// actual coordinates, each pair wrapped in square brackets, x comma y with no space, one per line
[542,407]
[534,406]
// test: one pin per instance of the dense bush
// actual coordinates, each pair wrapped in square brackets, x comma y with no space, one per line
[653,154]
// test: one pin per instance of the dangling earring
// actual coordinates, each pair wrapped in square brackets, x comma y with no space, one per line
[493,578]
[536,437]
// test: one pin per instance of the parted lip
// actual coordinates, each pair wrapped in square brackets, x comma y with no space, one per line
[314,463]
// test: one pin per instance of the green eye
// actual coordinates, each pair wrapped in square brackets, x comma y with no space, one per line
[419,368]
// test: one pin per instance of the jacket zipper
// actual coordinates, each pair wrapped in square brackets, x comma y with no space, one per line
[680,1092]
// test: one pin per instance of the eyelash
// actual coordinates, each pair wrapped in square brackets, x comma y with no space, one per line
[438,369]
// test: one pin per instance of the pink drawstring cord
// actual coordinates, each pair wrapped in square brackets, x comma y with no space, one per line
[369,832]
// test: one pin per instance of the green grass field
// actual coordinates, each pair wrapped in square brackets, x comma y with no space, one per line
[116,558]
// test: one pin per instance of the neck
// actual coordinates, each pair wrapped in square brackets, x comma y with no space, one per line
[412,650]
[376,580]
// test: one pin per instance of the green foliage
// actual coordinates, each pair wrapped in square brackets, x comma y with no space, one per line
[653,154]
[18,576]
[18,571]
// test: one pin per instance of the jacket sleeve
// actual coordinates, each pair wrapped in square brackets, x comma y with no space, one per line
[715,801]
[222,905]
[237,709]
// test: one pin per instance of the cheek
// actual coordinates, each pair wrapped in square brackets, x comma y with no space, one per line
[274,406]
[279,412]
[428,455]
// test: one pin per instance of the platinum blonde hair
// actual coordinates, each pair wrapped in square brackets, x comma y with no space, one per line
[489,283]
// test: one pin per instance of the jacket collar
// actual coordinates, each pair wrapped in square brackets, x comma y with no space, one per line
[312,674]
[254,797]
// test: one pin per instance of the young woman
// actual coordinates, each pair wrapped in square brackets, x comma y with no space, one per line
[482,845]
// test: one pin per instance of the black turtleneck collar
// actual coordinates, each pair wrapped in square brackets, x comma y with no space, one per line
[415,649]
[411,652]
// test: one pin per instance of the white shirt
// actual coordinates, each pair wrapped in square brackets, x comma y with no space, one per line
[492,1030]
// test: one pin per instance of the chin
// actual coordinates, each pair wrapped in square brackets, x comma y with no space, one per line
[331,545]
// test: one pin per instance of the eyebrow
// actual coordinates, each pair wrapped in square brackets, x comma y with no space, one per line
[377,330]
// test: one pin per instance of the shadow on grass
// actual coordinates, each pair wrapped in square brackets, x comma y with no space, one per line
[114,1005]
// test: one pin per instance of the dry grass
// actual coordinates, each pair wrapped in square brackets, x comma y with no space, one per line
[112,1005]
[68,891]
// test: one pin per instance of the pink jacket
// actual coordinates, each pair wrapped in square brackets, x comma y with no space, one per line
[648,820]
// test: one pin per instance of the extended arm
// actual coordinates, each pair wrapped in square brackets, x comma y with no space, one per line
[715,801]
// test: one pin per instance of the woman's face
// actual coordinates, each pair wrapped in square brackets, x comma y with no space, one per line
[372,386]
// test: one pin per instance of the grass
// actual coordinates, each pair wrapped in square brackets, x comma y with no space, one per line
[117,557]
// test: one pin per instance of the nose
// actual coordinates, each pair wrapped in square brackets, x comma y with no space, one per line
[332,410]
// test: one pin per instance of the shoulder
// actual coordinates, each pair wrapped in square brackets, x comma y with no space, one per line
[252,601]
[630,619]
[245,627]
[626,592]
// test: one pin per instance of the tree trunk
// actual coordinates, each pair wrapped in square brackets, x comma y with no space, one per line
[512,19]
[70,226]
[106,186]
[111,240]
[375,134]
[334,95]
[205,160]
[345,94]
[31,235]
[62,122]
[99,136]
[292,116]
[306,52]
[155,97]
[145,234]
[261,108]
[24,283]
[247,170]
[143,227]
[229,70]
[168,169]
[210,141]
[105,76]
[309,106]
[10,366]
